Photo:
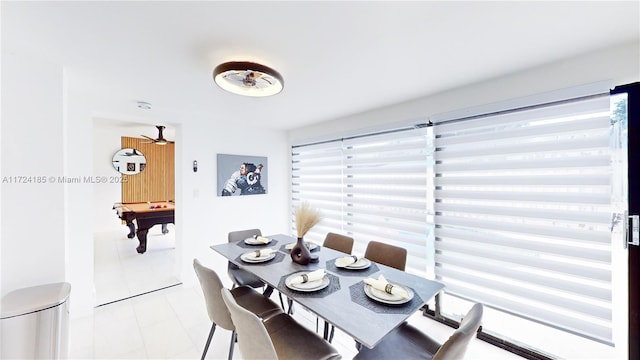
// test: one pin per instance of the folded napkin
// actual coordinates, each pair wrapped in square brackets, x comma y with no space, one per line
[383,285]
[347,260]
[262,252]
[261,239]
[312,276]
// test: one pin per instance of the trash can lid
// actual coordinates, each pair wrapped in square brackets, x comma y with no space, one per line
[32,299]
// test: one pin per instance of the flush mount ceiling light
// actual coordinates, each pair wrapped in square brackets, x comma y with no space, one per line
[144,105]
[247,78]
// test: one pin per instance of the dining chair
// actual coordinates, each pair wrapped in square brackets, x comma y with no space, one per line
[343,244]
[216,308]
[407,342]
[239,276]
[390,255]
[242,277]
[279,337]
[338,242]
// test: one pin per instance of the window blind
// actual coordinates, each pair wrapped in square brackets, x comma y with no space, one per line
[523,213]
[370,187]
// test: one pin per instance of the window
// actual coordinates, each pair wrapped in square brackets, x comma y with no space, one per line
[525,210]
[371,187]
[518,209]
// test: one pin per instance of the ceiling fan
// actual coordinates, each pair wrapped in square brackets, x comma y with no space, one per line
[160,140]
[249,79]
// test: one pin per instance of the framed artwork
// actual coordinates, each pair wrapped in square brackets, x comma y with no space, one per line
[242,175]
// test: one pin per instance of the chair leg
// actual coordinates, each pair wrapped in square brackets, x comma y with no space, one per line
[333,328]
[325,331]
[289,304]
[206,347]
[327,334]
[267,291]
[233,342]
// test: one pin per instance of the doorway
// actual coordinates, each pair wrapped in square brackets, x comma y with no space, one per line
[120,272]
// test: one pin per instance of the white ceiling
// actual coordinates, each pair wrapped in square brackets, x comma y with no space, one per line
[336,58]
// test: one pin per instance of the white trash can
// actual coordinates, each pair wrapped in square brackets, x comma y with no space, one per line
[35,322]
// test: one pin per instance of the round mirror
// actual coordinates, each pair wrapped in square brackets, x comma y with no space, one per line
[129,161]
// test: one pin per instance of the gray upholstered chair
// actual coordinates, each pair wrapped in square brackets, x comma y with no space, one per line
[338,242]
[242,277]
[407,342]
[217,310]
[238,276]
[279,337]
[390,255]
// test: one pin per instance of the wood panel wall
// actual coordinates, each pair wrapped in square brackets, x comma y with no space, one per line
[157,181]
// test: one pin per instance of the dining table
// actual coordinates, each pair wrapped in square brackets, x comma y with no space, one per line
[342,298]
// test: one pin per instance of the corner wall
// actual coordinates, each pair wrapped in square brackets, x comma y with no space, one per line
[33,242]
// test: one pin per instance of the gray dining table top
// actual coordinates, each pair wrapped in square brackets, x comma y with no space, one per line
[343,302]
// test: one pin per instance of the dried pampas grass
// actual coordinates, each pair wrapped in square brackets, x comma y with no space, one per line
[306,218]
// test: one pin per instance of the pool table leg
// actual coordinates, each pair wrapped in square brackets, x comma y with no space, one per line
[132,230]
[142,238]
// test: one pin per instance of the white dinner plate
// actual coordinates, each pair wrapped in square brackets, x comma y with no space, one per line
[308,286]
[252,241]
[385,297]
[361,264]
[251,257]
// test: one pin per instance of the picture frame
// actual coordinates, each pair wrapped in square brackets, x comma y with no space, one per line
[239,175]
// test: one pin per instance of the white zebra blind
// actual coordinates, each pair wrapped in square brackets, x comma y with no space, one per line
[370,187]
[523,213]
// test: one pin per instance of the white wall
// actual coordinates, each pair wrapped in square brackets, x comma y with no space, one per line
[106,141]
[33,250]
[207,217]
[78,203]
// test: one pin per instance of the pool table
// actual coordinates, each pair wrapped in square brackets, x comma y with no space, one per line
[146,216]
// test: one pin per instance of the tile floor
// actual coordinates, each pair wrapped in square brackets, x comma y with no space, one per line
[172,323]
[120,272]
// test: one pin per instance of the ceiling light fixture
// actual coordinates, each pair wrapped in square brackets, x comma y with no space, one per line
[247,78]
[144,105]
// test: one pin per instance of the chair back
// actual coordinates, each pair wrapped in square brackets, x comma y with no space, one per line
[240,235]
[253,338]
[338,242]
[243,234]
[211,286]
[390,255]
[456,346]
